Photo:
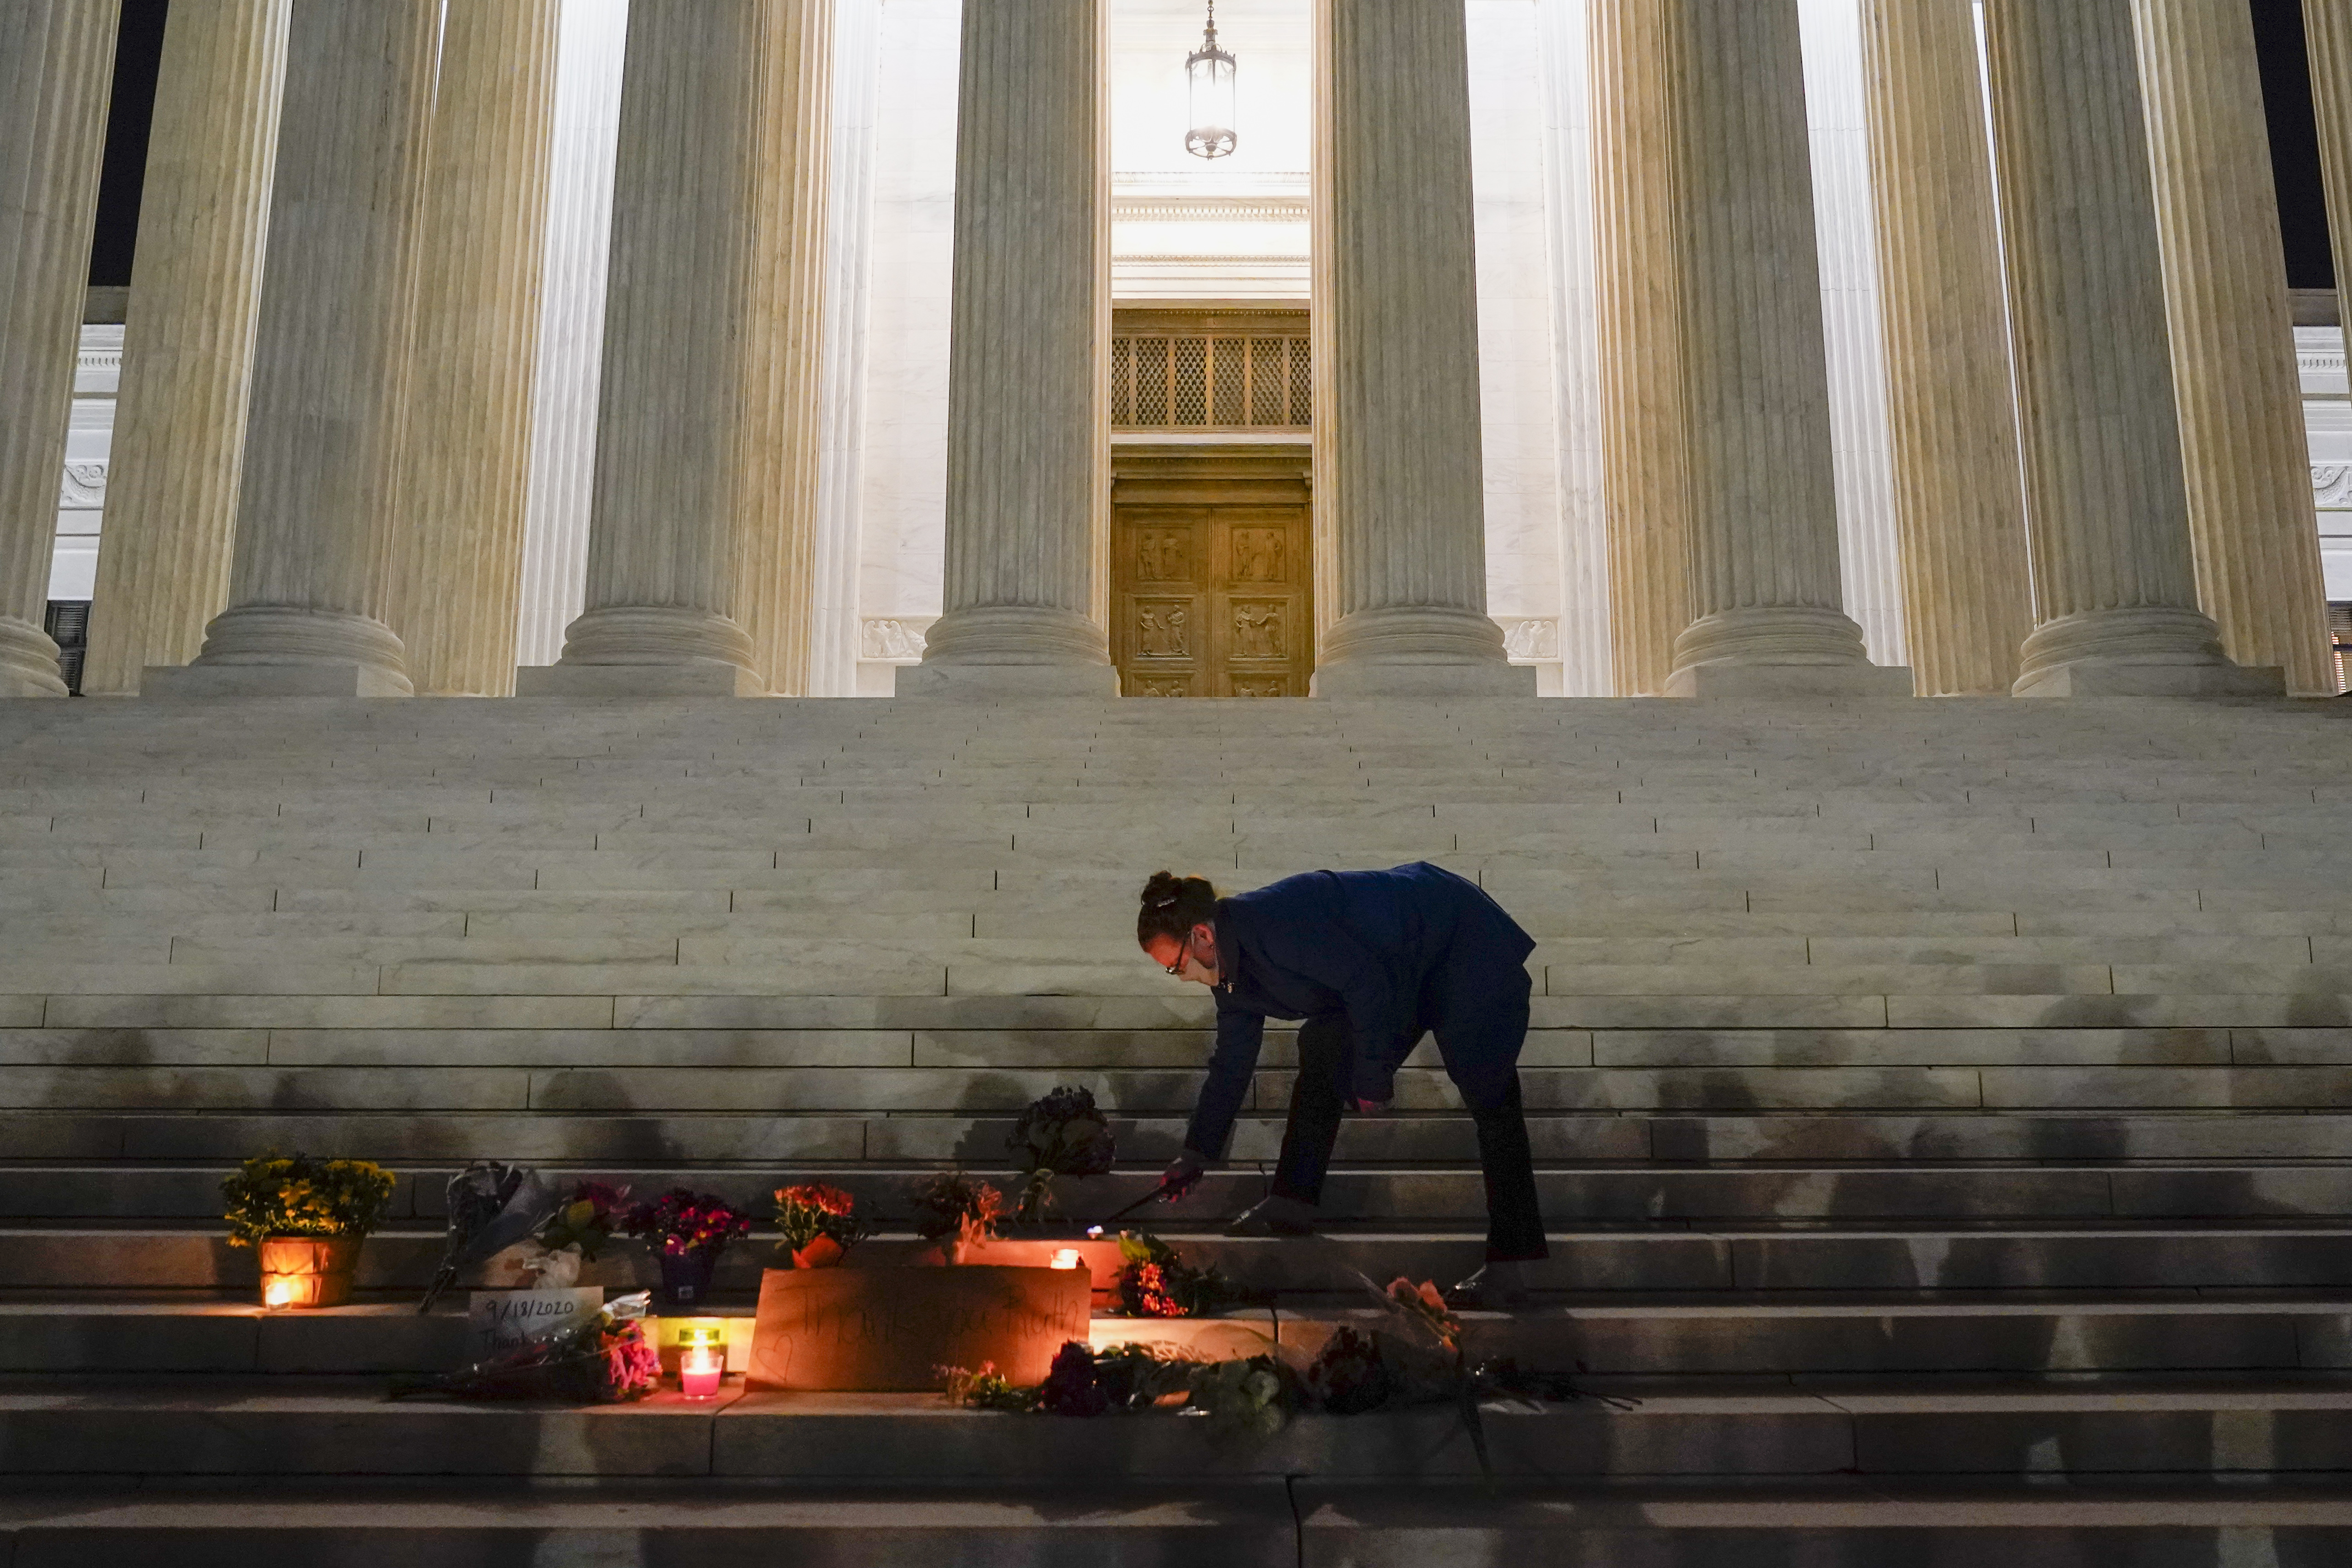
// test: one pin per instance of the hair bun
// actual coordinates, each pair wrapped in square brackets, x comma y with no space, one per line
[1163,890]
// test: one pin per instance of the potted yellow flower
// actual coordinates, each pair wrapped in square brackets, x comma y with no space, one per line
[306,1218]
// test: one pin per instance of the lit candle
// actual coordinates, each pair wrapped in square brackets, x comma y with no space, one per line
[1067,1258]
[699,1370]
[278,1294]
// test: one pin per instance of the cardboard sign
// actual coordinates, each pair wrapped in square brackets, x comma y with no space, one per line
[891,1330]
[501,1319]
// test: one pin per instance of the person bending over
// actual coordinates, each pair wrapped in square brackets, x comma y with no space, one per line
[1371,961]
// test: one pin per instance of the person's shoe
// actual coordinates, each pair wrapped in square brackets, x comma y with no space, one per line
[1277,1215]
[1496,1288]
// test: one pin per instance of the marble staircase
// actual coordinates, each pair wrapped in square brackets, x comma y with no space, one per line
[1936,1104]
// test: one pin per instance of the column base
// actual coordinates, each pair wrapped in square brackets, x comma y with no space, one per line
[28,661]
[1770,682]
[1006,682]
[1355,679]
[2122,678]
[2140,650]
[590,682]
[355,655]
[234,682]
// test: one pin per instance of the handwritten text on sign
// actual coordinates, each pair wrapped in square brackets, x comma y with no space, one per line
[877,1330]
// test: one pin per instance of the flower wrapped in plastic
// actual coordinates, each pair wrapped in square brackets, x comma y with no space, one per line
[602,1361]
[1154,1280]
[1062,1135]
[820,1224]
[576,1231]
[492,1207]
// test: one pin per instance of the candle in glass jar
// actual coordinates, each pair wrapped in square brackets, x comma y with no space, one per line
[700,1368]
[278,1295]
[1067,1258]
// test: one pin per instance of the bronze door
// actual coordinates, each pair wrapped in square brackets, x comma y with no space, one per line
[1211,596]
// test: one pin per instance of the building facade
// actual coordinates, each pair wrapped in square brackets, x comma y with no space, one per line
[813,461]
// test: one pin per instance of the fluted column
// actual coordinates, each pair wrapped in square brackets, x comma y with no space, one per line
[1399,487]
[2107,513]
[457,551]
[1765,597]
[786,355]
[317,496]
[57,61]
[585,137]
[1028,443]
[683,404]
[1960,507]
[2253,528]
[179,424]
[1644,471]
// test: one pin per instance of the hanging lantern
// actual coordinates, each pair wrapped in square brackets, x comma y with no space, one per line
[1210,72]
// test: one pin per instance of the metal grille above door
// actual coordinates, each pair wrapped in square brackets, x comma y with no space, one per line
[1176,370]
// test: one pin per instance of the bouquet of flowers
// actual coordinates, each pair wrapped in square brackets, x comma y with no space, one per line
[681,1220]
[957,1212]
[1083,1381]
[820,1224]
[1350,1376]
[1154,1281]
[1062,1135]
[272,1195]
[576,1231]
[492,1207]
[604,1361]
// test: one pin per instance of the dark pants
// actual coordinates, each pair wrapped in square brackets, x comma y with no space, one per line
[1514,1222]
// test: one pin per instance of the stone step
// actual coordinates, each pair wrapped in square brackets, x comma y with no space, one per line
[1160,1091]
[1884,1333]
[736,1135]
[2113,1255]
[1597,1195]
[1303,1523]
[144,1426]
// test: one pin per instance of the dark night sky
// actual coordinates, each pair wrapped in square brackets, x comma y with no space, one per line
[2278,31]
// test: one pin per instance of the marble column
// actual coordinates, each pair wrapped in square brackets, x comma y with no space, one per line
[785,358]
[2253,528]
[457,562]
[2107,512]
[57,64]
[586,137]
[1765,590]
[849,269]
[1644,463]
[1586,651]
[665,552]
[179,424]
[1399,486]
[331,359]
[1028,492]
[1959,505]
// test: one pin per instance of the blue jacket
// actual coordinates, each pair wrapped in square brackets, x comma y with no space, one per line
[1375,948]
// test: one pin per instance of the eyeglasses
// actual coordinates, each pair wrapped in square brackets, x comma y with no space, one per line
[1183,951]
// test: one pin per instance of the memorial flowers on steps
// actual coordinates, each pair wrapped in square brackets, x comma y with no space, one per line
[957,1212]
[575,1232]
[820,1224]
[306,1219]
[687,1231]
[492,1207]
[602,1361]
[1061,1134]
[1154,1280]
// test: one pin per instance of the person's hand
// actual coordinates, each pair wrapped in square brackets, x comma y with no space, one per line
[1371,1107]
[1183,1174]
